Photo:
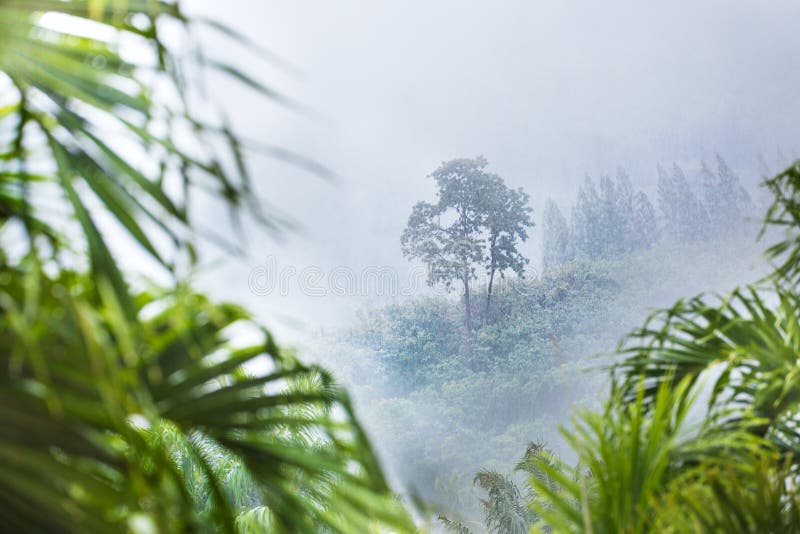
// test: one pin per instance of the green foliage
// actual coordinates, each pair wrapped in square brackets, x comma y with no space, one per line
[436,418]
[504,510]
[476,223]
[784,215]
[652,467]
[758,495]
[640,470]
[507,510]
[420,342]
[750,341]
[629,457]
[155,409]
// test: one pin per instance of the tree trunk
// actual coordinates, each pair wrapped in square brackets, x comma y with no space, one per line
[468,319]
[491,277]
[489,293]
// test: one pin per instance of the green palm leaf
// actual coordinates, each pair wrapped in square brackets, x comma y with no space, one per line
[154,410]
[118,110]
[87,405]
[653,461]
[749,342]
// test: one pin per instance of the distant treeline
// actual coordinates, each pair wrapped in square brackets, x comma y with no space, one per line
[610,218]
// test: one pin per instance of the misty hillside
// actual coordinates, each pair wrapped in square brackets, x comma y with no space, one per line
[438,417]
[458,267]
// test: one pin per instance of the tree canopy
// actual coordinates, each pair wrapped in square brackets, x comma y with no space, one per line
[476,224]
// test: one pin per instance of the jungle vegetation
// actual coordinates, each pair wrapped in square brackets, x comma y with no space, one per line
[127,405]
[476,225]
[442,413]
[131,405]
[699,430]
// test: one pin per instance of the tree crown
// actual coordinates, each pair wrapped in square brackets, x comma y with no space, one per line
[477,221]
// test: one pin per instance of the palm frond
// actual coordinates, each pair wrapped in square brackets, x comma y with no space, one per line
[629,457]
[757,495]
[749,343]
[96,105]
[112,432]
[156,410]
[784,215]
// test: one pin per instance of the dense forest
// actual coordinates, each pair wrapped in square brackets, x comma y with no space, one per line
[441,413]
[613,219]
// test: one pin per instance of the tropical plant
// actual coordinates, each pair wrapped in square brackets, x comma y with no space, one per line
[784,215]
[700,431]
[146,408]
[507,508]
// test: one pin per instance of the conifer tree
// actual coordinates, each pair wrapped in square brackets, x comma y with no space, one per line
[627,231]
[557,244]
[611,221]
[586,220]
[727,201]
[645,228]
[608,222]
[685,217]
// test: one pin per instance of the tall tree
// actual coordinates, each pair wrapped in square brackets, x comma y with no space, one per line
[476,222]
[685,216]
[586,220]
[613,218]
[644,231]
[638,228]
[727,201]
[508,218]
[557,246]
[627,230]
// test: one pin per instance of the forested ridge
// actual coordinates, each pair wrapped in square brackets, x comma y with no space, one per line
[440,414]
[612,218]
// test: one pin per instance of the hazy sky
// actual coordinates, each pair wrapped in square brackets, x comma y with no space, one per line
[547,91]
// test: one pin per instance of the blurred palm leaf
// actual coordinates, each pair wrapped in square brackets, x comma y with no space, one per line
[155,410]
[757,495]
[95,105]
[100,416]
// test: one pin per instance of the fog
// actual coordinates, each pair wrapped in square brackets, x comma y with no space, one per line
[548,92]
[442,266]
